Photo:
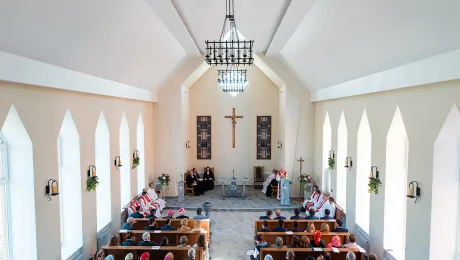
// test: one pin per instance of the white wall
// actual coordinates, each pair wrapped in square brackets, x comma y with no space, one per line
[424,110]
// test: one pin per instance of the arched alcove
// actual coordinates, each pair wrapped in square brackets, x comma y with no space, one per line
[445,189]
[125,154]
[342,153]
[140,148]
[363,167]
[394,236]
[70,187]
[102,152]
[19,173]
[327,135]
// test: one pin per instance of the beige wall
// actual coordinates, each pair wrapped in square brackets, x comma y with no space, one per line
[42,111]
[260,98]
[424,110]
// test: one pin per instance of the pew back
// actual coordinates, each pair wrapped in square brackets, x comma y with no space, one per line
[270,237]
[119,252]
[160,222]
[302,253]
[289,224]
[156,236]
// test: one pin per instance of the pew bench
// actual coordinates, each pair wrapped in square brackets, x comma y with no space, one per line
[160,222]
[120,252]
[302,253]
[289,224]
[270,237]
[157,235]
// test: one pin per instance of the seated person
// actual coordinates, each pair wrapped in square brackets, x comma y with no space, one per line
[183,240]
[164,241]
[182,213]
[197,228]
[305,242]
[310,227]
[129,256]
[295,242]
[146,240]
[145,256]
[198,214]
[129,240]
[170,214]
[278,215]
[138,213]
[200,182]
[296,214]
[327,214]
[168,225]
[372,257]
[296,227]
[191,254]
[169,256]
[311,214]
[339,227]
[259,244]
[190,181]
[268,215]
[208,177]
[324,227]
[129,224]
[280,227]
[152,225]
[153,213]
[317,241]
[290,255]
[324,256]
[278,243]
[264,227]
[335,242]
[352,242]
[183,225]
[351,256]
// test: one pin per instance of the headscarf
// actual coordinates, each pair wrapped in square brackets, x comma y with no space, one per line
[145,256]
[109,257]
[317,237]
[169,256]
[335,242]
[268,257]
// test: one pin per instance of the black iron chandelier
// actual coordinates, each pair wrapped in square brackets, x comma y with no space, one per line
[229,49]
[232,79]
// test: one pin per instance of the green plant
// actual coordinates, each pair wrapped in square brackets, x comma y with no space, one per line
[374,185]
[136,161]
[91,183]
[331,163]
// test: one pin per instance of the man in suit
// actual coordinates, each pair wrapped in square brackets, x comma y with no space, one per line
[146,240]
[268,215]
[280,227]
[278,215]
[168,225]
[296,227]
[296,214]
[312,215]
[264,227]
[339,226]
[151,225]
[129,224]
[327,214]
[138,213]
[153,213]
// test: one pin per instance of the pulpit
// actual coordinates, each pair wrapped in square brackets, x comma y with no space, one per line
[258,176]
[285,193]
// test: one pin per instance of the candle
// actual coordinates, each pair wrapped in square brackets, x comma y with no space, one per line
[93,173]
[54,188]
[346,162]
[119,162]
[410,192]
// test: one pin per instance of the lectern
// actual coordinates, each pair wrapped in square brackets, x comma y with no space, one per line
[285,193]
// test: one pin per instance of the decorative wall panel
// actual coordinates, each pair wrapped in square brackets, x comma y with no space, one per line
[264,137]
[203,136]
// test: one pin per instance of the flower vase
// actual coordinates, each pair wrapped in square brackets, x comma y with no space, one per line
[308,189]
[302,189]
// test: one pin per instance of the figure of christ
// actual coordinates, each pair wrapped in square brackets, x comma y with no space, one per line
[268,181]
[281,174]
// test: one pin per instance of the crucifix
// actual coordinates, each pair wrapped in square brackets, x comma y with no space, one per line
[233,117]
[301,161]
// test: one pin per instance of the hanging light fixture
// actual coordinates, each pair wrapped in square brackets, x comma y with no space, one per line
[232,79]
[229,49]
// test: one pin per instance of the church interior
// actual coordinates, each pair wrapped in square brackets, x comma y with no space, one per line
[102,100]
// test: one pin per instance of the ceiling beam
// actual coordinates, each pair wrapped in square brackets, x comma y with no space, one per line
[295,13]
[168,14]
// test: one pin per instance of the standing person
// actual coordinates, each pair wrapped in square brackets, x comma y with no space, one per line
[208,177]
[281,175]
[268,181]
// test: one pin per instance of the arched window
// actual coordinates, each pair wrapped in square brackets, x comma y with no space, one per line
[394,236]
[70,187]
[18,186]
[327,133]
[4,223]
[103,162]
[140,148]
[125,154]
[342,143]
[363,168]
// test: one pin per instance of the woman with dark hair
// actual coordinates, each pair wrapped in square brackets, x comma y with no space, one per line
[164,241]
[273,182]
[129,240]
[295,242]
[208,177]
[202,243]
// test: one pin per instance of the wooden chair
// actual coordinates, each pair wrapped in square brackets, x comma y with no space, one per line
[274,190]
[186,187]
[258,176]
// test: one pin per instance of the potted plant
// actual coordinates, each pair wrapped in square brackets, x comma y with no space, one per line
[91,183]
[374,185]
[331,163]
[136,161]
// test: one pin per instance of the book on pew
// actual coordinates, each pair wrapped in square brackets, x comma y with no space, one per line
[362,250]
[124,230]
[157,231]
[335,250]
[317,249]
[155,247]
[288,232]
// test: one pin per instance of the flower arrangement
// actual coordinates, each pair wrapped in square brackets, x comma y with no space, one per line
[164,179]
[304,178]
[374,185]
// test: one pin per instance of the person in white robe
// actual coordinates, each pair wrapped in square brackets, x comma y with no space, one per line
[154,197]
[132,207]
[268,181]
[280,175]
[313,198]
[320,207]
[331,207]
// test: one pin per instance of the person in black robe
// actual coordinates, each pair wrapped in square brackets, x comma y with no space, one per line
[208,177]
[190,181]
[274,182]
[199,182]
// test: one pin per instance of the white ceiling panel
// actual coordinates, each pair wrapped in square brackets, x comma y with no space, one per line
[338,41]
[123,41]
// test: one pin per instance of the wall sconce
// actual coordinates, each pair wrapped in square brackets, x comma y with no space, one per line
[410,191]
[280,145]
[187,144]
[135,154]
[92,171]
[118,162]
[331,154]
[348,163]
[374,174]
[52,188]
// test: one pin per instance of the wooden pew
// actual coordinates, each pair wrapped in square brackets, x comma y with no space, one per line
[160,222]
[173,236]
[270,237]
[119,252]
[289,224]
[302,253]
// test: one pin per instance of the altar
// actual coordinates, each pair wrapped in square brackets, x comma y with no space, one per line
[233,188]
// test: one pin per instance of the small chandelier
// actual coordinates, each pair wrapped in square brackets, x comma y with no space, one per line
[229,49]
[232,79]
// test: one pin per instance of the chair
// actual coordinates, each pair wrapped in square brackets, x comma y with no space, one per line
[258,176]
[274,190]
[186,187]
